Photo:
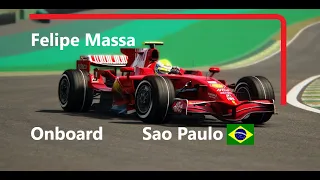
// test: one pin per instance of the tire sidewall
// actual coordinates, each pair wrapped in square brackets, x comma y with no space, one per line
[64,76]
[80,96]
[243,86]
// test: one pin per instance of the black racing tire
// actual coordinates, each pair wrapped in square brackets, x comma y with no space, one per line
[73,91]
[159,95]
[169,116]
[255,88]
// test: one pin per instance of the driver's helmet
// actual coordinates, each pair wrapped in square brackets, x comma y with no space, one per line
[163,66]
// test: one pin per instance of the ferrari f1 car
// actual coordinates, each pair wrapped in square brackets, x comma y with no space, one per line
[155,98]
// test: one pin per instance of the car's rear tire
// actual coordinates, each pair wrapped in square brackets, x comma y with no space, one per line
[153,99]
[255,88]
[73,91]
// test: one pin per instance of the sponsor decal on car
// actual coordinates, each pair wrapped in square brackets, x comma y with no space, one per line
[179,106]
[223,90]
[229,97]
[94,80]
[117,87]
[215,84]
[228,92]
[212,96]
[218,86]
[109,59]
[212,82]
[198,102]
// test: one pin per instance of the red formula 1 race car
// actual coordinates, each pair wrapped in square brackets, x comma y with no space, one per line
[154,98]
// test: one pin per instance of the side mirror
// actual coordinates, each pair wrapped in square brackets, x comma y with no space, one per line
[214,69]
[127,69]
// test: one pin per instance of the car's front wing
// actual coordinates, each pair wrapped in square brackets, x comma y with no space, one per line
[226,112]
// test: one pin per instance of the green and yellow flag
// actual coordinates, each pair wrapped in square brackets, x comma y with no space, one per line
[240,134]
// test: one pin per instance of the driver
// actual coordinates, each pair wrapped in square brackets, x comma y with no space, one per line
[164,66]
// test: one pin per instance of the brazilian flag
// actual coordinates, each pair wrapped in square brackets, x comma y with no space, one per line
[240,134]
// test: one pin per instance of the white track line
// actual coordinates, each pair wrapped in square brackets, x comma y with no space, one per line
[291,41]
[292,95]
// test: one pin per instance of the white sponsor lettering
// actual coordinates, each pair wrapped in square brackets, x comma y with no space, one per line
[228,92]
[212,95]
[94,79]
[109,59]
[103,58]
[223,90]
[229,97]
[178,107]
[123,59]
[117,60]
[96,58]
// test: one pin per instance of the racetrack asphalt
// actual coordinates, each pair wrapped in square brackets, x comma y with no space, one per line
[289,141]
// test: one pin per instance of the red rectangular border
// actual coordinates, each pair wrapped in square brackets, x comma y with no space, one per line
[283,30]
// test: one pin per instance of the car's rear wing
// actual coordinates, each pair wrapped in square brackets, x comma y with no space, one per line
[86,61]
[105,60]
[134,57]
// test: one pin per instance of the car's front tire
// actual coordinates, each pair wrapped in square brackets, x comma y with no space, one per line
[153,99]
[255,88]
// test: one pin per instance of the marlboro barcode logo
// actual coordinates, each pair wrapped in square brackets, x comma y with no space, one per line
[109,59]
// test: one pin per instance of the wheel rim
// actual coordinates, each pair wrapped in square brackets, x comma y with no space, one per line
[64,87]
[144,99]
[243,93]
